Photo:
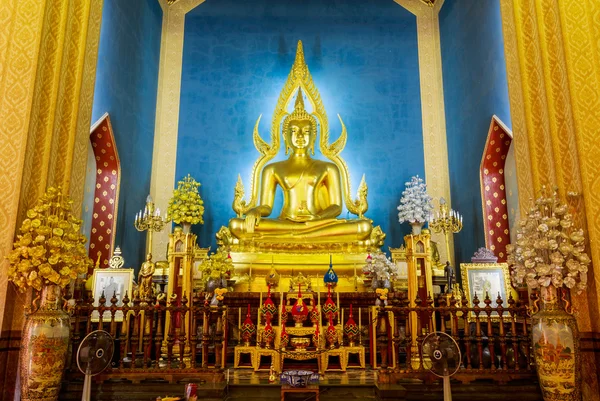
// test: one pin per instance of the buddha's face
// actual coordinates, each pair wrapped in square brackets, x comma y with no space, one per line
[300,132]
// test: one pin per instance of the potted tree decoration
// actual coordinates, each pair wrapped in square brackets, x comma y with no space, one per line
[549,255]
[48,254]
[415,205]
[186,205]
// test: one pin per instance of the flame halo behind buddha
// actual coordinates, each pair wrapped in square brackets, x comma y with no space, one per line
[313,190]
[308,229]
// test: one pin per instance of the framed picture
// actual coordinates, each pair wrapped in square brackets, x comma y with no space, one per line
[111,282]
[482,278]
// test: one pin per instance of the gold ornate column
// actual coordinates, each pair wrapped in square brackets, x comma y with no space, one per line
[552,50]
[167,107]
[48,53]
[432,104]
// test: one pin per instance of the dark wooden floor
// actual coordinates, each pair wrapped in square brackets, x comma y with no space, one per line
[355,385]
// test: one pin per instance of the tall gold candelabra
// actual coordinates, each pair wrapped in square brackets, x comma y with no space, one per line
[446,221]
[149,220]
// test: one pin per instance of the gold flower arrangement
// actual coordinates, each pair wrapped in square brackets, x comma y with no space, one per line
[50,248]
[186,205]
[220,293]
[382,293]
[549,250]
[216,266]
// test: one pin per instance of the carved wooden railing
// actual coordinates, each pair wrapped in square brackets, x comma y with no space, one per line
[144,347]
[494,341]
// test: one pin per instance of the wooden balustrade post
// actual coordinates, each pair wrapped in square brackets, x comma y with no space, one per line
[442,307]
[219,363]
[490,331]
[171,311]
[409,336]
[135,338]
[419,334]
[148,326]
[76,337]
[430,314]
[182,332]
[113,311]
[467,329]
[525,337]
[205,336]
[396,336]
[478,336]
[89,307]
[454,318]
[514,338]
[161,306]
[194,329]
[502,333]
[101,309]
[381,335]
[124,331]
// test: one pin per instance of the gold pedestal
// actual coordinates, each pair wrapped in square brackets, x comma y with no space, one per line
[251,268]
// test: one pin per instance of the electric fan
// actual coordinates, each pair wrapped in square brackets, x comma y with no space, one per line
[93,356]
[442,356]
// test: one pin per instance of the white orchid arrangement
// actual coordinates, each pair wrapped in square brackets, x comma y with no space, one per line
[549,249]
[380,267]
[415,204]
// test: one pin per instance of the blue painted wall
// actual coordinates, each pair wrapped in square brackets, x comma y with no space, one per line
[364,61]
[475,88]
[126,84]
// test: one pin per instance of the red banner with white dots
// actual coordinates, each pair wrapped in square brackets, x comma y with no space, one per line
[493,188]
[106,195]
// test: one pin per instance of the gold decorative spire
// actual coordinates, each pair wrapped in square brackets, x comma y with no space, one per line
[299,106]
[299,69]
[299,113]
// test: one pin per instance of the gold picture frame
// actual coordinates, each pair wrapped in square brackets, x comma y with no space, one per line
[493,278]
[111,281]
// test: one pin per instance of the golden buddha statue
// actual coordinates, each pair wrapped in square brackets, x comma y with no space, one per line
[308,231]
[312,193]
[145,278]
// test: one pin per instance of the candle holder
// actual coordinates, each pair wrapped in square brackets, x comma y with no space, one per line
[149,220]
[446,221]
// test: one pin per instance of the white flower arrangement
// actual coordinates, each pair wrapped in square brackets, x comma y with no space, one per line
[379,267]
[415,204]
[549,249]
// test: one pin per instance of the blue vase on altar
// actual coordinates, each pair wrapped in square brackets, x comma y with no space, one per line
[331,276]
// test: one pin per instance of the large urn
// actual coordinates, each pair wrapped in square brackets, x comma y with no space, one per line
[556,349]
[44,345]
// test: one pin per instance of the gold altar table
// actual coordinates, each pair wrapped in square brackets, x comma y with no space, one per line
[302,356]
[273,354]
[239,350]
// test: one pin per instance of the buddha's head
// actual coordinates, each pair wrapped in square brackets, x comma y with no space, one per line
[299,128]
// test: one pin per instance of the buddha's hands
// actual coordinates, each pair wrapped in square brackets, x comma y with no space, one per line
[252,219]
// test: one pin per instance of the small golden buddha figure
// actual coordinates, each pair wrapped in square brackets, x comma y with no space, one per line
[145,278]
[312,193]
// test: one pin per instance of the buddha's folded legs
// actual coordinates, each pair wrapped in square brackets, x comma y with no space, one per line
[327,230]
